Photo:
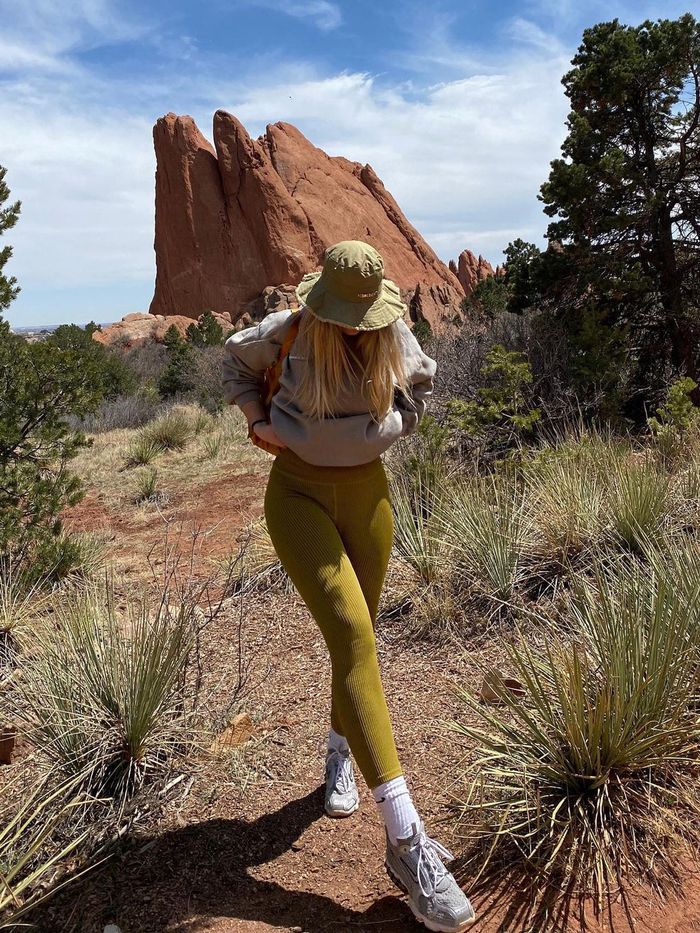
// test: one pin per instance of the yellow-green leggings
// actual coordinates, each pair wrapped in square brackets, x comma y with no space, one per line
[332,529]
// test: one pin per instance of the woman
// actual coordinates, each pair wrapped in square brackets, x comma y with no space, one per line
[354,381]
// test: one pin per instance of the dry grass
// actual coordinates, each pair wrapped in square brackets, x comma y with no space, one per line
[101,467]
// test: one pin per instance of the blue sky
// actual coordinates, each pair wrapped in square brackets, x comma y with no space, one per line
[457,105]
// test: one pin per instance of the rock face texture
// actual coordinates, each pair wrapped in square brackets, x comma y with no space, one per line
[470,270]
[244,215]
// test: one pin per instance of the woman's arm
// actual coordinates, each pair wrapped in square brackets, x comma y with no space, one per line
[247,354]
[421,370]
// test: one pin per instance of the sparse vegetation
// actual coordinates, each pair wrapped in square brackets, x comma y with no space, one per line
[103,694]
[172,431]
[592,776]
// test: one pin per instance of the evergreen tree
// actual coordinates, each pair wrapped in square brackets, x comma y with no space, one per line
[8,218]
[625,241]
[207,332]
[40,385]
[178,377]
[110,371]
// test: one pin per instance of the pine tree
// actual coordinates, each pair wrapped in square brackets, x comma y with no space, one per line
[178,377]
[40,385]
[8,218]
[207,332]
[625,197]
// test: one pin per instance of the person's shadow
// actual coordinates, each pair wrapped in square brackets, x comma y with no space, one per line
[201,870]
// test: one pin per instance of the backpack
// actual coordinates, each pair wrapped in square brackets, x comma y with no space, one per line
[271,379]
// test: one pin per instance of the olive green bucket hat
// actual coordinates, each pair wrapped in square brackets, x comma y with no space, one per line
[351,290]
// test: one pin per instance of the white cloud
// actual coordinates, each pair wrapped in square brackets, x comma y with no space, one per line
[322,13]
[464,156]
[40,34]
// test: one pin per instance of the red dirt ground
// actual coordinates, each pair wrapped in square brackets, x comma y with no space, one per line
[248,849]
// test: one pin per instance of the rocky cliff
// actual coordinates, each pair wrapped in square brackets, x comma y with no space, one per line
[471,269]
[237,217]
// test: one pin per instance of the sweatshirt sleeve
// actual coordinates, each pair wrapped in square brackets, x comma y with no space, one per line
[421,369]
[248,353]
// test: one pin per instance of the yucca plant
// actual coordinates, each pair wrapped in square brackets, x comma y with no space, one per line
[593,776]
[213,445]
[146,487]
[202,422]
[22,599]
[256,565]
[485,525]
[637,502]
[103,695]
[567,500]
[416,537]
[27,854]
[172,431]
[142,451]
[686,496]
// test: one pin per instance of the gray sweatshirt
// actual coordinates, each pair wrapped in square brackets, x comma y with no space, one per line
[351,436]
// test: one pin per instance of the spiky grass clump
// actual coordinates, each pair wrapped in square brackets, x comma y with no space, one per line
[22,599]
[142,451]
[485,525]
[638,503]
[416,537]
[594,776]
[172,431]
[256,564]
[27,854]
[103,694]
[213,446]
[567,498]
[146,487]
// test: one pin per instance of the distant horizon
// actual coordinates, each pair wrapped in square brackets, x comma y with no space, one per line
[19,328]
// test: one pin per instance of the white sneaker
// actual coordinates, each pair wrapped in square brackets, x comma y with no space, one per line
[415,865]
[342,798]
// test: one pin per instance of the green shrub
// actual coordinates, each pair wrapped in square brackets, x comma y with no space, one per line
[103,696]
[501,409]
[592,775]
[206,332]
[112,374]
[178,377]
[41,385]
[676,418]
[67,555]
[172,431]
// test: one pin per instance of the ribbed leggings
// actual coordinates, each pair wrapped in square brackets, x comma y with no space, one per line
[332,529]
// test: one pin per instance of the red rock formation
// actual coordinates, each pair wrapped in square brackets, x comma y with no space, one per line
[471,270]
[138,328]
[248,214]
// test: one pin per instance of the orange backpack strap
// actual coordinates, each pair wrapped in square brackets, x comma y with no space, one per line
[291,336]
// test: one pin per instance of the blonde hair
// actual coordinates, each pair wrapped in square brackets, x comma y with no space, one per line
[375,358]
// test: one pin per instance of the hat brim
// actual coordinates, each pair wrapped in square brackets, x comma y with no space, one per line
[363,315]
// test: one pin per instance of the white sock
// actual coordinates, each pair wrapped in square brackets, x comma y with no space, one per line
[337,741]
[394,801]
